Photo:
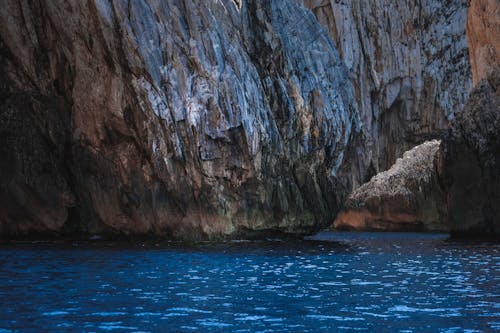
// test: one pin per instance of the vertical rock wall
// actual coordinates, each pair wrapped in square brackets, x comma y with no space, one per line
[196,119]
[184,119]
[470,155]
[471,163]
[409,64]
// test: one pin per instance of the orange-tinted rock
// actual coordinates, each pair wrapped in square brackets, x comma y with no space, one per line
[483,37]
[182,119]
[470,158]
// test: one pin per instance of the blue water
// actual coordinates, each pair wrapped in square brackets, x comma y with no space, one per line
[336,282]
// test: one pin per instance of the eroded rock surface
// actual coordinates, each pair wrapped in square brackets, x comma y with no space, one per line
[185,119]
[483,37]
[409,64]
[471,163]
[470,156]
[407,197]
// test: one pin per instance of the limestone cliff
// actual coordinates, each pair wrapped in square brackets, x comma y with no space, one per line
[195,119]
[483,36]
[180,118]
[409,64]
[464,177]
[471,152]
[407,197]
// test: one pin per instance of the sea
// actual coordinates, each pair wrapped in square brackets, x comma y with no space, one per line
[330,282]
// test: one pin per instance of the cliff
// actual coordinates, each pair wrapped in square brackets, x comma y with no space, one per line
[455,187]
[407,197]
[409,64]
[471,152]
[192,119]
[181,119]
[471,163]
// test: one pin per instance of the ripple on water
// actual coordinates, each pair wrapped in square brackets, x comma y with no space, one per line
[108,314]
[365,282]
[115,327]
[55,313]
[213,323]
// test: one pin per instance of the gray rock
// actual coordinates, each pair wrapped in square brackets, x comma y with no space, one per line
[409,64]
[183,119]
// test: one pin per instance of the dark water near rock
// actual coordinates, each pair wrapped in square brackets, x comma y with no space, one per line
[349,282]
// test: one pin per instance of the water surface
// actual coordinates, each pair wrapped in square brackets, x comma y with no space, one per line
[335,282]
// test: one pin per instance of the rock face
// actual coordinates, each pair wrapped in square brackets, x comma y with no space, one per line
[407,197]
[184,119]
[483,36]
[467,167]
[471,163]
[470,157]
[409,64]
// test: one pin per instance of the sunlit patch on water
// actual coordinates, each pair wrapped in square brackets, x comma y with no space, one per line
[333,282]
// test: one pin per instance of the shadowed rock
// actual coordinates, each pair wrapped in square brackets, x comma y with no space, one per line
[471,163]
[470,158]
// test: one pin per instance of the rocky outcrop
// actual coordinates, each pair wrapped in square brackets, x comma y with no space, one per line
[409,64]
[407,197]
[467,167]
[470,156]
[471,163]
[182,119]
[483,37]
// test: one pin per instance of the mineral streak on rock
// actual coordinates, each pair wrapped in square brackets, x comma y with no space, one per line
[184,119]
[409,64]
[407,197]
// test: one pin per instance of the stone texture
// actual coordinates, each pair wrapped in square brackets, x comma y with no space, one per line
[407,197]
[483,37]
[182,119]
[470,166]
[409,64]
[470,156]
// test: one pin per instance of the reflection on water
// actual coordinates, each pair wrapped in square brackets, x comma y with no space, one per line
[332,282]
